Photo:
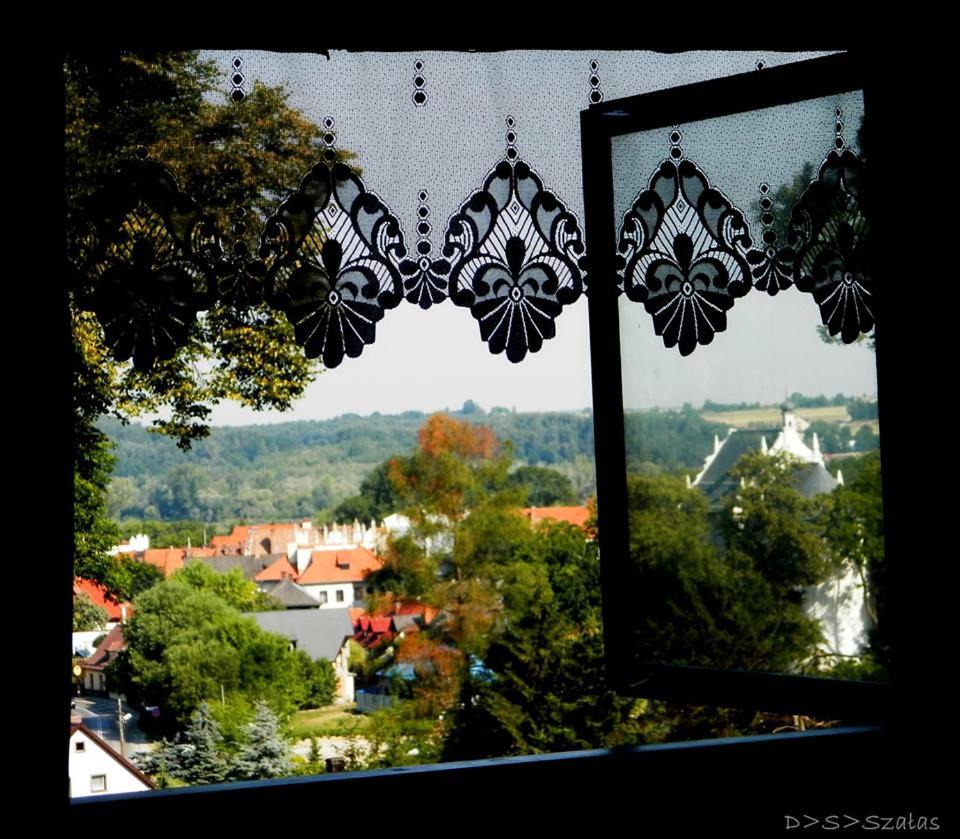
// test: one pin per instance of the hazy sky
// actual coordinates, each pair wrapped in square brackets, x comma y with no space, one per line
[435,359]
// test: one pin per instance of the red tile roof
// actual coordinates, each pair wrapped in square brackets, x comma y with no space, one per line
[380,625]
[106,650]
[408,609]
[96,593]
[572,515]
[237,537]
[277,571]
[347,566]
[167,560]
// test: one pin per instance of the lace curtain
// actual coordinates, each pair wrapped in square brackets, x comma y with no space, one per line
[465,193]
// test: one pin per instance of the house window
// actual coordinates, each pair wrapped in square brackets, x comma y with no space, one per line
[339,595]
[98,783]
[323,598]
[80,745]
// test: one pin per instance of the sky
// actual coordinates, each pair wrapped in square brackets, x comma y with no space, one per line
[430,360]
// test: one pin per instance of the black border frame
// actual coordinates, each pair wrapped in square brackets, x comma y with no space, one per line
[730,95]
[749,783]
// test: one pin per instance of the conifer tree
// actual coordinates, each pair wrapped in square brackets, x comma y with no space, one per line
[196,757]
[200,758]
[265,754]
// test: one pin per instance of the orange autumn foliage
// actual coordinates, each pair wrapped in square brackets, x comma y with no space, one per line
[438,668]
[442,434]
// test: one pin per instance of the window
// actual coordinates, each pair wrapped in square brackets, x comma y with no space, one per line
[80,745]
[598,381]
[339,595]
[323,598]
[649,185]
[98,783]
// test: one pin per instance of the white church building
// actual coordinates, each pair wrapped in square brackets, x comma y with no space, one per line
[838,603]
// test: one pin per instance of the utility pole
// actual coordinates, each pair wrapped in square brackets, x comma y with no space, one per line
[120,725]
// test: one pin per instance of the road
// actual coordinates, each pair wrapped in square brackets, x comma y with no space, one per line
[99,714]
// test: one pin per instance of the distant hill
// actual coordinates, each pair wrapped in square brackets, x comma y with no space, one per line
[304,468]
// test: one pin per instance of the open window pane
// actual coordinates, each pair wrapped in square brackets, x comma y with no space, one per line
[744,298]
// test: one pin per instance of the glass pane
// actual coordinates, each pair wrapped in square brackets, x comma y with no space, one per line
[752,433]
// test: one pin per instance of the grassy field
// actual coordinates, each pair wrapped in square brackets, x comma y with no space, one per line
[339,721]
[771,417]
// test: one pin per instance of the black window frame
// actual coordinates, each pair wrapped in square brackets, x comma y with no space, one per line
[755,776]
[851,701]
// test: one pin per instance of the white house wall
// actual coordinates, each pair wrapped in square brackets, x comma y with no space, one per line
[331,589]
[92,761]
[838,604]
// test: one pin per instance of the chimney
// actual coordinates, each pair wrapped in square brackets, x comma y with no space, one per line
[302,557]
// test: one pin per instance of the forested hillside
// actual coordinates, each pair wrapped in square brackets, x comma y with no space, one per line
[309,467]
[306,468]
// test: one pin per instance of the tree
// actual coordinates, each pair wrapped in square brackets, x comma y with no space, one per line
[725,594]
[87,615]
[265,754]
[771,522]
[231,587]
[377,499]
[545,487]
[187,645]
[226,155]
[196,757]
[854,520]
[514,663]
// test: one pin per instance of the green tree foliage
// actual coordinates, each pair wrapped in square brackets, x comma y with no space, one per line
[167,534]
[186,645]
[335,469]
[862,409]
[771,522]
[231,587]
[514,663]
[854,521]
[87,615]
[226,155]
[265,753]
[377,499]
[545,487]
[727,593]
[671,440]
[195,757]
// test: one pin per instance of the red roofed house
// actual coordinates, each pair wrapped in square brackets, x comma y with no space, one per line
[277,572]
[167,560]
[116,612]
[96,769]
[406,618]
[571,515]
[93,669]
[335,577]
